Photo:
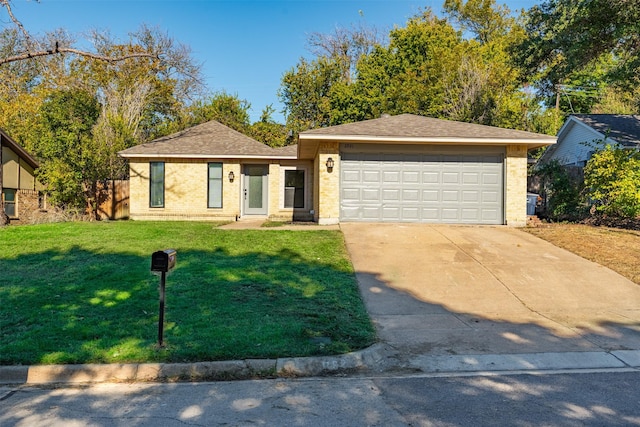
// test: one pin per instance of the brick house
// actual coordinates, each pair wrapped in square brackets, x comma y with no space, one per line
[403,168]
[21,192]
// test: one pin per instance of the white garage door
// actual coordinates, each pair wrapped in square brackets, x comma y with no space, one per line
[423,184]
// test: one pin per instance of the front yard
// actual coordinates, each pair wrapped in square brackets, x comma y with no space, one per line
[617,249]
[83,293]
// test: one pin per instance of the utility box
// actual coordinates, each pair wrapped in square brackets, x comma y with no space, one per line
[532,201]
[163,261]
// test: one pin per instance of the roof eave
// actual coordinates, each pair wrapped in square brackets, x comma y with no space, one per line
[202,156]
[534,142]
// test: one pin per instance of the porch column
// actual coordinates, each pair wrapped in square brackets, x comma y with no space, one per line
[328,207]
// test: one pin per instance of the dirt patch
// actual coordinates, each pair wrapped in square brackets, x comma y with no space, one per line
[617,249]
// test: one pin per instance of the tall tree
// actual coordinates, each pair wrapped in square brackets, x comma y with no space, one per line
[568,35]
[138,84]
[69,165]
[305,92]
[345,46]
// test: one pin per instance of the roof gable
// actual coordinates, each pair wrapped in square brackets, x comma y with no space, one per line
[622,128]
[207,140]
[6,141]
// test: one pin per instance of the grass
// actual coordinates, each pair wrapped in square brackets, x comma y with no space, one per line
[616,249]
[83,293]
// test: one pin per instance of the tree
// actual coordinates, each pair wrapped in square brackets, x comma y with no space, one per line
[138,84]
[568,35]
[346,46]
[305,92]
[267,131]
[612,181]
[69,165]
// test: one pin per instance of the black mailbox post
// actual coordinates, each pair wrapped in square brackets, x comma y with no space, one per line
[163,262]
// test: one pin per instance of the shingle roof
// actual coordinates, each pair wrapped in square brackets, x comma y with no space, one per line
[208,140]
[419,127]
[623,128]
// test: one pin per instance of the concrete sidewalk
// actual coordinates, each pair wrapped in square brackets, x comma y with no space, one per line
[444,300]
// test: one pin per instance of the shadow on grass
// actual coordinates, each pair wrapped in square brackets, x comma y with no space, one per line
[79,307]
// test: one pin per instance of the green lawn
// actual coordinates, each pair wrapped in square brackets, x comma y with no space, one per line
[83,293]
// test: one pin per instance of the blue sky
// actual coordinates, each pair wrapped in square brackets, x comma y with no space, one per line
[245,45]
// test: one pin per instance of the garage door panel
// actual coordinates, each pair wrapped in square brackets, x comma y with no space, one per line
[351,194]
[390,177]
[451,177]
[424,186]
[350,175]
[450,195]
[371,194]
[471,196]
[410,195]
[430,177]
[371,176]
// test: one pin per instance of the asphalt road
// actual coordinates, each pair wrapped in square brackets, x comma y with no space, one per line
[562,399]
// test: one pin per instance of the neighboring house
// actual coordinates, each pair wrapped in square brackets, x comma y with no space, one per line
[580,133]
[20,189]
[403,168]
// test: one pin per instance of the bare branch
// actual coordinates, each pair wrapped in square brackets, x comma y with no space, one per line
[57,50]
[7,5]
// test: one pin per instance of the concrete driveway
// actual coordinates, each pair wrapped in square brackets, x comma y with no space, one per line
[435,290]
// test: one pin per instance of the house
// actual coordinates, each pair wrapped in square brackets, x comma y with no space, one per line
[580,133]
[20,190]
[403,168]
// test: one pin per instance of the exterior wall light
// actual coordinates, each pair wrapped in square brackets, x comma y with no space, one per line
[231,176]
[330,164]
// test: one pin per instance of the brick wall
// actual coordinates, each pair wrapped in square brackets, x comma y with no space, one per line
[328,183]
[186,192]
[516,186]
[185,196]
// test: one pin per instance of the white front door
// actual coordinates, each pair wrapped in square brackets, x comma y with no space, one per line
[255,189]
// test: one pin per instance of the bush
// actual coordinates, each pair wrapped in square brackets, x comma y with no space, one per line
[561,191]
[612,180]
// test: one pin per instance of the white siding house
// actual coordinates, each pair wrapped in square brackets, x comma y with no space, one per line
[581,133]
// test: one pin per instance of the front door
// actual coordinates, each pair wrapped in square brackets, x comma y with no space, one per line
[255,189]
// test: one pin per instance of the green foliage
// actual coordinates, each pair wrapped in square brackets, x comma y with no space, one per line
[267,131]
[306,93]
[612,180]
[63,145]
[561,190]
[565,38]
[427,68]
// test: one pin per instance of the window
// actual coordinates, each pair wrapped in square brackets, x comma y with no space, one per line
[9,202]
[214,200]
[156,185]
[294,180]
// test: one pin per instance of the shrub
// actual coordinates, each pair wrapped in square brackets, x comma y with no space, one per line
[612,180]
[561,191]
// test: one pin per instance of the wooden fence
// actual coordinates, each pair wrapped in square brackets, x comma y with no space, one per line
[116,205]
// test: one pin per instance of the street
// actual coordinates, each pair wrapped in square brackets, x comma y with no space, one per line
[561,399]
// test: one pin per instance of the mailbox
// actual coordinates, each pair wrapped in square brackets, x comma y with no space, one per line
[163,261]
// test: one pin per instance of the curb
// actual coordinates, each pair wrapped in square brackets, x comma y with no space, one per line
[375,359]
[362,360]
